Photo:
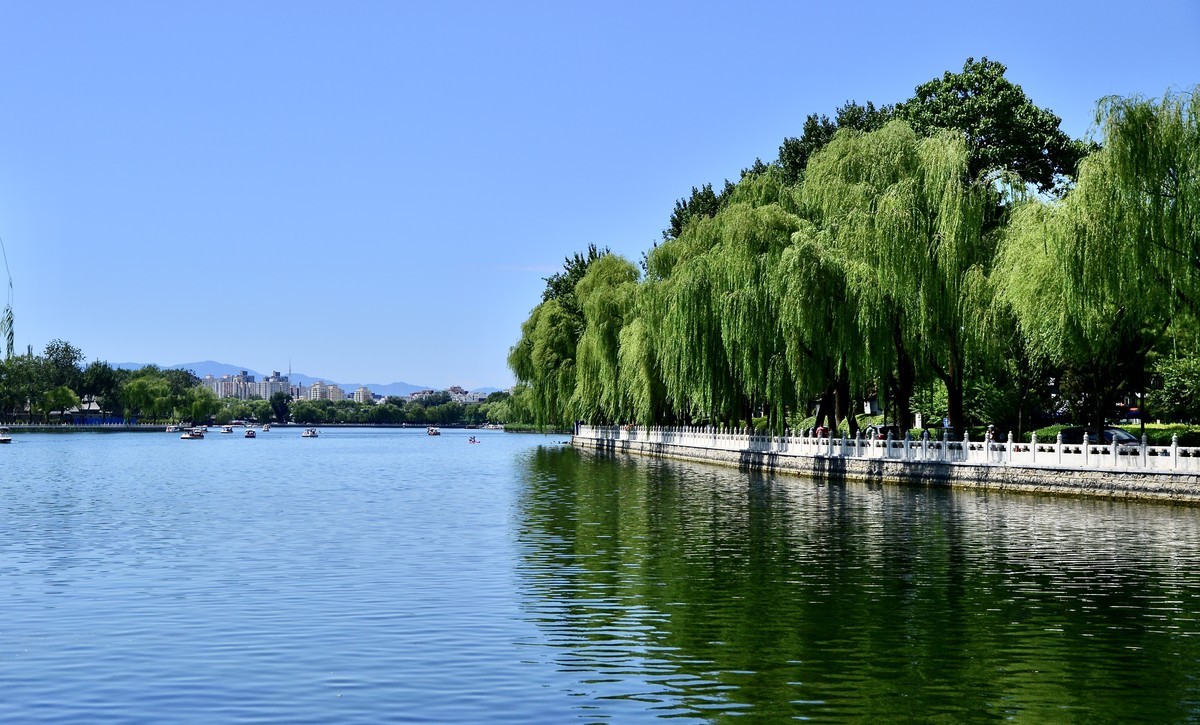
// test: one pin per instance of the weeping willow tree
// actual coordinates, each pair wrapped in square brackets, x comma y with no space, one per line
[1096,280]
[752,241]
[606,295]
[1137,225]
[1097,342]
[643,393]
[715,325]
[544,359]
[904,213]
[689,347]
[826,348]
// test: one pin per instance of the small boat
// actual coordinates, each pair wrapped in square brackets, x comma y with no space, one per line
[431,430]
[4,435]
[266,427]
[309,433]
[226,429]
[192,434]
[172,429]
[250,433]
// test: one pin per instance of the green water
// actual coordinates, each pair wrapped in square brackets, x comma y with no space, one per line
[779,598]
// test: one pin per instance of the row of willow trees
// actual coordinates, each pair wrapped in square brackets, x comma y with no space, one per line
[955,254]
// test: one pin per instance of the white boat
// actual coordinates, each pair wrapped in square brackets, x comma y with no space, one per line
[266,427]
[4,435]
[250,433]
[192,434]
[172,429]
[431,430]
[309,433]
[226,429]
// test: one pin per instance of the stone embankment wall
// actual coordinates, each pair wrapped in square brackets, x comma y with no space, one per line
[1179,487]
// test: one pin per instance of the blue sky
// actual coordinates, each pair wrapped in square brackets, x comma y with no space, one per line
[373,191]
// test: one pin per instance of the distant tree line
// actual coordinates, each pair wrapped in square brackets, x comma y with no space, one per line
[49,386]
[435,409]
[57,386]
[956,254]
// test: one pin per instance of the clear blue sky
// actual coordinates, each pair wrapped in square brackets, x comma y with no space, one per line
[374,191]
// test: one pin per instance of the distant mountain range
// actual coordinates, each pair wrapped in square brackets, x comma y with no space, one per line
[217,369]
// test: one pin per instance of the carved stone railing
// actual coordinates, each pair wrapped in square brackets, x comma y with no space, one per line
[1034,453]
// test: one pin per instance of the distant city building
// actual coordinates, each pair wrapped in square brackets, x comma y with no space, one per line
[325,391]
[362,395]
[275,383]
[243,385]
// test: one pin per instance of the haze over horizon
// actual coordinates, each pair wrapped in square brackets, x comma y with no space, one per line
[218,368]
[376,193]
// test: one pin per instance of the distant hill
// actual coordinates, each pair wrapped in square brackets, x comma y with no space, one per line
[217,369]
[207,367]
[400,389]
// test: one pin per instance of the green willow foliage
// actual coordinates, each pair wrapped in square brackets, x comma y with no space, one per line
[903,209]
[1096,280]
[606,294]
[883,271]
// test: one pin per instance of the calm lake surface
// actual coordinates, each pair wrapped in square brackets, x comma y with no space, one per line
[387,576]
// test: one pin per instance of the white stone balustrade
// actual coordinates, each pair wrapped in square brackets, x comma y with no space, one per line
[1009,452]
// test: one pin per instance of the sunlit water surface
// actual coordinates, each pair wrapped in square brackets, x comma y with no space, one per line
[389,576]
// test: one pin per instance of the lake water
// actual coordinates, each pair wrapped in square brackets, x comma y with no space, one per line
[387,576]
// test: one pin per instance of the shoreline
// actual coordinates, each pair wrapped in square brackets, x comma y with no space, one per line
[18,428]
[1114,484]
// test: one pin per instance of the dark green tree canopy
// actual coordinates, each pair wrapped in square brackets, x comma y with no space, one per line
[704,202]
[819,130]
[562,284]
[65,363]
[1004,130]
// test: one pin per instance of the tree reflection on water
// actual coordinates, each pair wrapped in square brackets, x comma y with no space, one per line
[701,591]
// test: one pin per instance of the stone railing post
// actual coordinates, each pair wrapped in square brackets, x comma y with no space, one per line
[1010,447]
[1114,451]
[887,446]
[1033,446]
[1058,446]
[1145,463]
[1174,451]
[966,445]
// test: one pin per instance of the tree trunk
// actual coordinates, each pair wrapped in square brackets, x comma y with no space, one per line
[845,405]
[905,383]
[825,409]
